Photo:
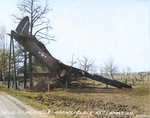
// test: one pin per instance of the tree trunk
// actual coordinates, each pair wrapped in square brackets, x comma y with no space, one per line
[25,70]
[30,72]
[8,79]
[112,76]
[1,76]
[15,78]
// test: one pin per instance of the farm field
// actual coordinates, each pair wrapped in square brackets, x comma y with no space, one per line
[89,101]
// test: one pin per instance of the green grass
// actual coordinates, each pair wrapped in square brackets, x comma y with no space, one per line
[26,97]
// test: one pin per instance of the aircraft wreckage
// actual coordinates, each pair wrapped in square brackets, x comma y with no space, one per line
[56,68]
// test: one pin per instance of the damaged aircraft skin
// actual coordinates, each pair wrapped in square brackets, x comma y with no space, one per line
[56,68]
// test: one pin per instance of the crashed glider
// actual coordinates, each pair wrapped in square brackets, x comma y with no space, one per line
[56,68]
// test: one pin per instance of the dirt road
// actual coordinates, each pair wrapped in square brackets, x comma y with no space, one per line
[11,107]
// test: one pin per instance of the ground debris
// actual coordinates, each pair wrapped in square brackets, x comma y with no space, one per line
[99,108]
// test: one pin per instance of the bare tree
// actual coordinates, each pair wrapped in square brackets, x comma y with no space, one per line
[128,70]
[110,67]
[3,51]
[101,69]
[93,69]
[72,61]
[128,74]
[39,24]
[123,73]
[143,75]
[3,43]
[85,63]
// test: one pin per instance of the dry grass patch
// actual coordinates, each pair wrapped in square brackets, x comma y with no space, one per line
[88,98]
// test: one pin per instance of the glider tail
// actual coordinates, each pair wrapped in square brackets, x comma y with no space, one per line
[23,27]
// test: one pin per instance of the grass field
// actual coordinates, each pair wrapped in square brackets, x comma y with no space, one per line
[99,100]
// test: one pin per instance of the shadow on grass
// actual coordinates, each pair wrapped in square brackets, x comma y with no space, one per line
[82,89]
[89,89]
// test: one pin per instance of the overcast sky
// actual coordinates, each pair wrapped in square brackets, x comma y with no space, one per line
[97,29]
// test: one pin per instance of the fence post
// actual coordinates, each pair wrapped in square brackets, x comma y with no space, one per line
[48,87]
[93,84]
[126,81]
[66,86]
[133,81]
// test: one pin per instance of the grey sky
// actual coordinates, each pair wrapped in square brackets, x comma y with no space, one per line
[97,29]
